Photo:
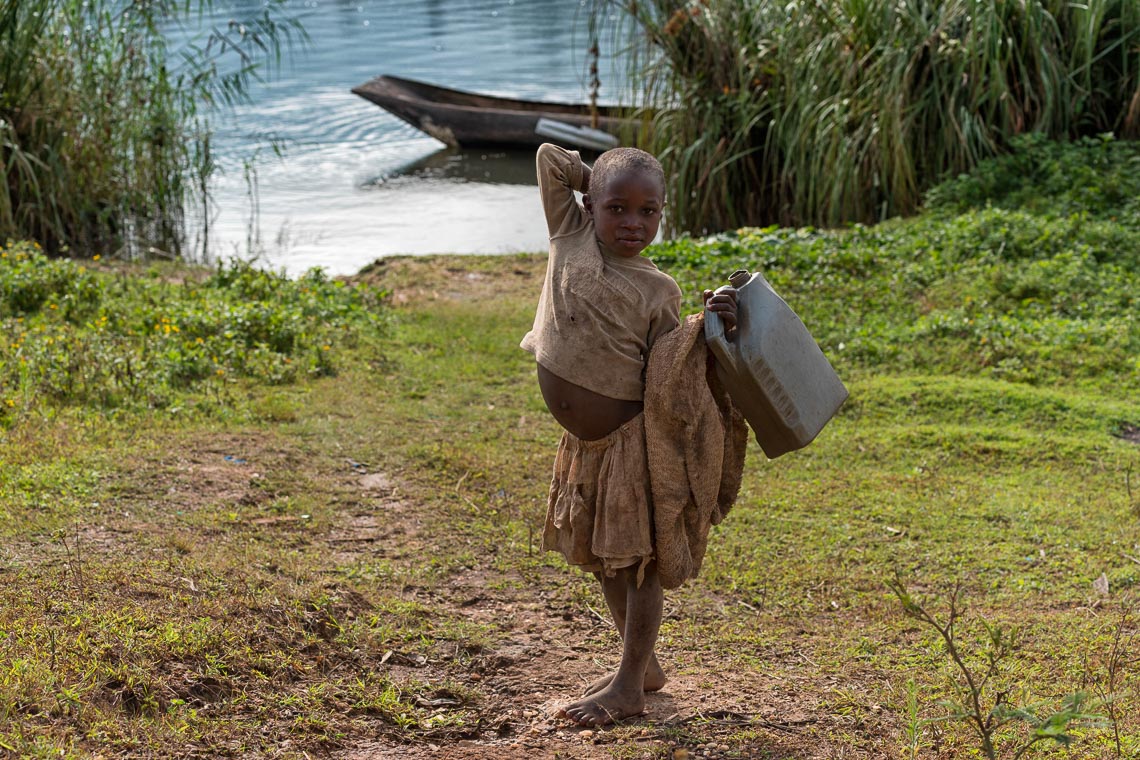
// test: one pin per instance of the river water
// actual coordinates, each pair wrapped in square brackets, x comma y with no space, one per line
[354,183]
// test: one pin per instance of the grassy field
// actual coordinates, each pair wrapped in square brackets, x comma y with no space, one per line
[342,561]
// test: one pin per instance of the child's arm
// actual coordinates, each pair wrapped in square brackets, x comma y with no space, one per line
[560,173]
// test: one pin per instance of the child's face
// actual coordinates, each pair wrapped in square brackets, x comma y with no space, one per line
[627,213]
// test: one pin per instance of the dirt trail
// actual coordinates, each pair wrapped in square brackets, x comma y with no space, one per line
[547,651]
[543,646]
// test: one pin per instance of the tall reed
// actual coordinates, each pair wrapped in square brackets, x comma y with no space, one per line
[104,125]
[832,111]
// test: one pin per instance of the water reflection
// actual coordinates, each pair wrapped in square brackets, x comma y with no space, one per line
[461,165]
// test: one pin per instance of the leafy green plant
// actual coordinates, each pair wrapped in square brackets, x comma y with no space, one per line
[830,112]
[1023,289]
[104,122]
[981,699]
[77,336]
[1095,176]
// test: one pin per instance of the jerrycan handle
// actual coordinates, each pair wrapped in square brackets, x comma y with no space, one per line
[714,326]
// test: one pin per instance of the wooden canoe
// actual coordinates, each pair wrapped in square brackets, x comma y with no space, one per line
[468,119]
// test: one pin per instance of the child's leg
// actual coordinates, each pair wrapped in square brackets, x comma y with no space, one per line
[624,696]
[615,594]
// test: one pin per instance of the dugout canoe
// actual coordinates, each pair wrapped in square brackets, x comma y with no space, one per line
[468,119]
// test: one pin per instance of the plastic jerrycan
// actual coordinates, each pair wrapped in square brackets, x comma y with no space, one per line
[773,369]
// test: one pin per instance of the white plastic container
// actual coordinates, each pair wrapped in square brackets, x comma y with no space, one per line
[773,369]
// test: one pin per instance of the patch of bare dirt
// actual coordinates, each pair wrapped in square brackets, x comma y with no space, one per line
[1129,432]
[381,525]
[543,650]
[220,469]
[414,279]
[547,652]
[206,472]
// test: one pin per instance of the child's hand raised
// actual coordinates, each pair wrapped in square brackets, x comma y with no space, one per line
[723,302]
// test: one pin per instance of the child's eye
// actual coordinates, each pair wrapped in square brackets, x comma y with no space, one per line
[649,211]
[616,209]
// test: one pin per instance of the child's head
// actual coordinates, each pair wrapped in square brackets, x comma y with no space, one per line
[625,199]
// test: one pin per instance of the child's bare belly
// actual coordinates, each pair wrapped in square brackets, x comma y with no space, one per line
[583,413]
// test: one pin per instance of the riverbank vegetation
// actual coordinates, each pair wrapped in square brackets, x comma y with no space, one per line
[105,121]
[347,563]
[167,339]
[831,112]
[1027,271]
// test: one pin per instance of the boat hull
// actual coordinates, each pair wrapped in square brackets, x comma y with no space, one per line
[468,119]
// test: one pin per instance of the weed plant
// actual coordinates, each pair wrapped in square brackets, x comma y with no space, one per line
[830,112]
[981,695]
[105,340]
[104,132]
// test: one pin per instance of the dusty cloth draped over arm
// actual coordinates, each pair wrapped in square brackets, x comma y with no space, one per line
[695,439]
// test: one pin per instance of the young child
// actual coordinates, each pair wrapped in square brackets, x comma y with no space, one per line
[602,307]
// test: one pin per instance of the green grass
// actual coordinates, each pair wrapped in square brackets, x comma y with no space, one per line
[167,338]
[1015,489]
[159,598]
[1039,285]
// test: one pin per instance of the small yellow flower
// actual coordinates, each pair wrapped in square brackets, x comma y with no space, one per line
[9,402]
[325,347]
[53,306]
[221,372]
[96,257]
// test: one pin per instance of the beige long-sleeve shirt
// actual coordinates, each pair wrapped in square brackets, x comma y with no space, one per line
[598,314]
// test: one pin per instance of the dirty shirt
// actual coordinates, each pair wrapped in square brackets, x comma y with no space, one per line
[599,313]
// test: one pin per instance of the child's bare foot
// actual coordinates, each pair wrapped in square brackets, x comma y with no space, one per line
[604,707]
[654,680]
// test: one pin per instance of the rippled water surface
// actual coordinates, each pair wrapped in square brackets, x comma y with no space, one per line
[355,183]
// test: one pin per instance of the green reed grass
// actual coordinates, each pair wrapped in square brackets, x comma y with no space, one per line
[835,111]
[104,124]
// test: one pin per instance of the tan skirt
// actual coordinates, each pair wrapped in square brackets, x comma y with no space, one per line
[599,514]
